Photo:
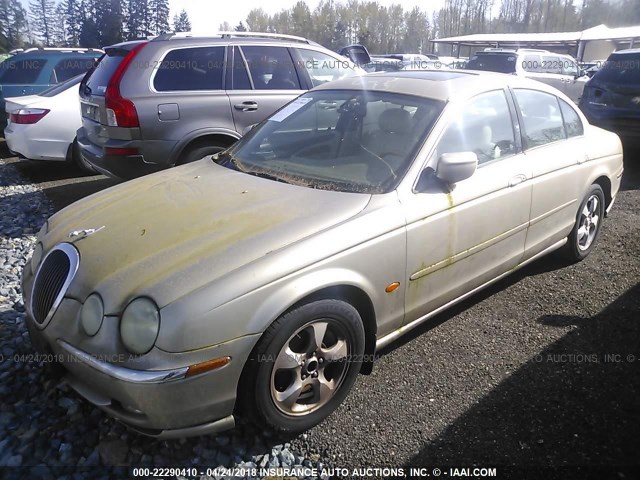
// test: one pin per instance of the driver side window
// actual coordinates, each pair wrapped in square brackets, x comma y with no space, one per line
[484,127]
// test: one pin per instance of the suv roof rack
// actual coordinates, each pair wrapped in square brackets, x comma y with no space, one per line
[281,36]
[59,49]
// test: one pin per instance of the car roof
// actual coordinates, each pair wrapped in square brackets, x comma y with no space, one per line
[443,85]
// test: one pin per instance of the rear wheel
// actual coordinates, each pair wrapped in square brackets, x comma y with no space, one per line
[77,159]
[303,366]
[200,150]
[585,232]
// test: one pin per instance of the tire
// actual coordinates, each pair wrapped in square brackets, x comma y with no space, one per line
[586,230]
[290,383]
[77,159]
[201,150]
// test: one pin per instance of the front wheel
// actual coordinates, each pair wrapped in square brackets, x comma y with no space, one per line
[303,366]
[585,232]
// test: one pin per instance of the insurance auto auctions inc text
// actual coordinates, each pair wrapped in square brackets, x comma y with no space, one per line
[363,472]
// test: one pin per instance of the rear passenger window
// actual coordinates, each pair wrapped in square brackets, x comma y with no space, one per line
[240,76]
[71,67]
[572,122]
[552,64]
[542,118]
[271,68]
[532,63]
[198,68]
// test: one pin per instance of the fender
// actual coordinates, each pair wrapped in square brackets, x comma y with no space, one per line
[290,292]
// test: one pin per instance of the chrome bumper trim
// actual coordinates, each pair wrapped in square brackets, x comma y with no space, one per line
[125,374]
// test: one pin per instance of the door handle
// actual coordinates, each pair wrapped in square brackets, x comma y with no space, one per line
[517,179]
[246,106]
[583,159]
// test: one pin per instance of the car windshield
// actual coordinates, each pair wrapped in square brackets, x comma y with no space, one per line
[61,87]
[621,70]
[343,140]
[496,62]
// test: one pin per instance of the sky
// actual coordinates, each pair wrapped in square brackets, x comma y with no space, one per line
[207,15]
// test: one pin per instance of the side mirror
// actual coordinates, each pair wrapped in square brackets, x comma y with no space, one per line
[456,166]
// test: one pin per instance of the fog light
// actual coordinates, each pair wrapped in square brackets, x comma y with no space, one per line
[92,314]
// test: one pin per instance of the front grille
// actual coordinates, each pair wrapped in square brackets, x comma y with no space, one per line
[52,280]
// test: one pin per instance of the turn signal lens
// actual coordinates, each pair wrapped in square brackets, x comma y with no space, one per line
[207,366]
[391,287]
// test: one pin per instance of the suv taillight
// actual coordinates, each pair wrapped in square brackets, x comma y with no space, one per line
[28,116]
[121,112]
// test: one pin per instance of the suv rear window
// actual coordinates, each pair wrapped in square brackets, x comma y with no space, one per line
[621,69]
[197,68]
[493,62]
[104,70]
[21,72]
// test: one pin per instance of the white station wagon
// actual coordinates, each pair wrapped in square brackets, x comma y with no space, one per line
[261,280]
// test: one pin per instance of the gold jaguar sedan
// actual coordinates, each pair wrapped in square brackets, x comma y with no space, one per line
[261,281]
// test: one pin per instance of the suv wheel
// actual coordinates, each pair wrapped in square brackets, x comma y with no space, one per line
[77,159]
[201,150]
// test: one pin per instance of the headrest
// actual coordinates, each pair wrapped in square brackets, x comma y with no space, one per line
[395,120]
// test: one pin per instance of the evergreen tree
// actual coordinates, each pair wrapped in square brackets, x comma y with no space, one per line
[159,16]
[58,29]
[73,20]
[109,21]
[42,18]
[181,22]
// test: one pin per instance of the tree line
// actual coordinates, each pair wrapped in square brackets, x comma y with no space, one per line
[333,23]
[84,23]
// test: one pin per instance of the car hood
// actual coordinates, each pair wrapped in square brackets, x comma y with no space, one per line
[170,233]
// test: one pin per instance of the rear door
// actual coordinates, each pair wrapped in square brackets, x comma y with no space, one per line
[553,153]
[264,78]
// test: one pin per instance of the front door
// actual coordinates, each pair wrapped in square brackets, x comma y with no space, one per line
[458,240]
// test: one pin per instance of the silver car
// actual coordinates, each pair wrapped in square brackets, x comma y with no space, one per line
[555,69]
[150,105]
[262,280]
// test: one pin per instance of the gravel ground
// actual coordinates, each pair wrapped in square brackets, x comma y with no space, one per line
[539,370]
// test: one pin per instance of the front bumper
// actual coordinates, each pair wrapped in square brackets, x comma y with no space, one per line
[163,403]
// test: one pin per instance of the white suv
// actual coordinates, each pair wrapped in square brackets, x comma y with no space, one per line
[555,69]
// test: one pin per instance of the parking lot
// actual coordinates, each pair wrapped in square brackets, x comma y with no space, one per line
[539,370]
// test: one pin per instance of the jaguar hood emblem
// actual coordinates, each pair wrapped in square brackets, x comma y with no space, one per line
[80,234]
[636,100]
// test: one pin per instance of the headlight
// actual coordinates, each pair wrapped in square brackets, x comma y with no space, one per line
[91,314]
[36,258]
[140,325]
